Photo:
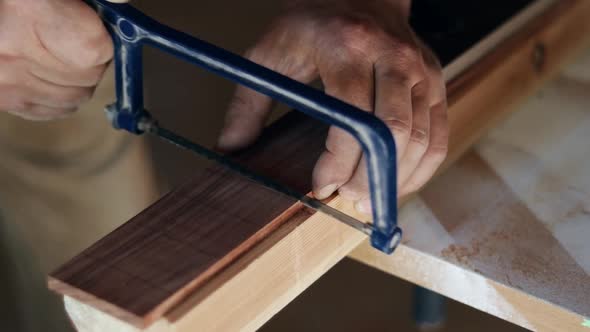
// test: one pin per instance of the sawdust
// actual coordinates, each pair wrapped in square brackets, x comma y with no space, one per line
[461,254]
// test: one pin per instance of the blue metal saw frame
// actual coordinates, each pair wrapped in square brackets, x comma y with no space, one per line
[131,30]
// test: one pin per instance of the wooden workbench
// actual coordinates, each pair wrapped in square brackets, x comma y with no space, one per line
[299,251]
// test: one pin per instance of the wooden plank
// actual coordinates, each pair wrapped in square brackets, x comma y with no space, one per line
[511,239]
[150,263]
[294,255]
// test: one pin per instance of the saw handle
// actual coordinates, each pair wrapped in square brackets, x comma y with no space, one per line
[131,30]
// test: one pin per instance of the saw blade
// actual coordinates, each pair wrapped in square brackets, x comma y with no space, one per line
[151,127]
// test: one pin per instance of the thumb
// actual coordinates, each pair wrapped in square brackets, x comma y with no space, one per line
[73,33]
[248,109]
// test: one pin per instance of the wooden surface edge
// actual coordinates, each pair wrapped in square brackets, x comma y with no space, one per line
[444,278]
[86,318]
[90,300]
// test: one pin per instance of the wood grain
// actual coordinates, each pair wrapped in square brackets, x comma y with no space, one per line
[153,261]
[300,250]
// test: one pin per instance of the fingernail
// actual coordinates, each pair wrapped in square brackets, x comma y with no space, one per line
[223,141]
[363,206]
[230,140]
[326,191]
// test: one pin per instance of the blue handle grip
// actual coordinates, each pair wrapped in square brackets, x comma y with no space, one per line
[131,29]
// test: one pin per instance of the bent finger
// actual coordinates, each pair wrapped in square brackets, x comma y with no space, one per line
[352,83]
[436,153]
[395,79]
[419,134]
[66,76]
[56,96]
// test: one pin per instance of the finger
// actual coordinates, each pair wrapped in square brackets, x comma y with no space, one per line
[42,113]
[419,134]
[248,110]
[395,79]
[20,89]
[436,153]
[395,76]
[65,76]
[18,103]
[353,83]
[357,188]
[73,34]
[56,96]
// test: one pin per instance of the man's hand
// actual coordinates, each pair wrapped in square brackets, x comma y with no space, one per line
[52,55]
[366,54]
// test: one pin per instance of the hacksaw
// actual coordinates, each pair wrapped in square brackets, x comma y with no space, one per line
[131,30]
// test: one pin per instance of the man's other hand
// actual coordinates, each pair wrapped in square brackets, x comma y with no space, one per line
[52,55]
[366,54]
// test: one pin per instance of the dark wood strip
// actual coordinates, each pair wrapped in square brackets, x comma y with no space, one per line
[195,231]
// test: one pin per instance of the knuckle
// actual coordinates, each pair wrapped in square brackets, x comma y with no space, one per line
[12,98]
[94,76]
[19,105]
[241,103]
[97,51]
[398,126]
[439,152]
[95,43]
[341,144]
[332,145]
[72,97]
[407,51]
[356,33]
[420,137]
[420,91]
[401,63]
[395,74]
